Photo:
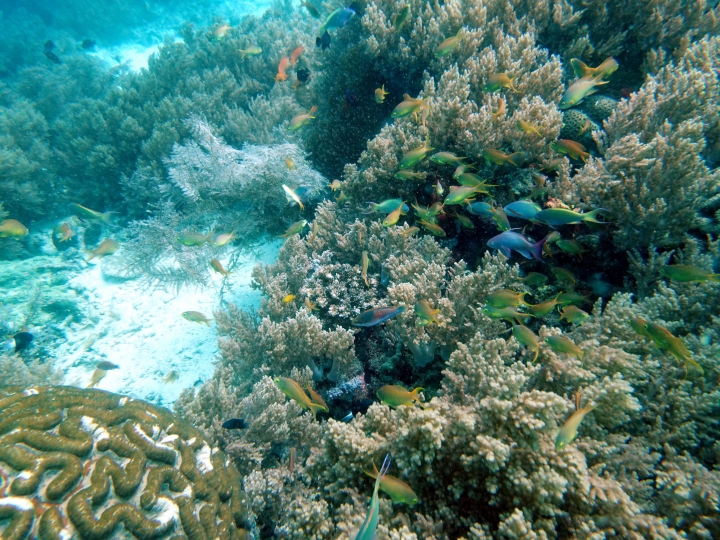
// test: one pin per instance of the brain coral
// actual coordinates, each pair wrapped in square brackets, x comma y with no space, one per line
[91,464]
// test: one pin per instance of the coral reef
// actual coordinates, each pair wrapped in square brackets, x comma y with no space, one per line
[166,479]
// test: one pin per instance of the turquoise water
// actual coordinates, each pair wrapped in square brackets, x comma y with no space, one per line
[474,241]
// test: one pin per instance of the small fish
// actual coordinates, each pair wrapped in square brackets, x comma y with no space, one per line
[462,169]
[87,44]
[106,365]
[380,94]
[218,267]
[312,10]
[561,344]
[387,206]
[47,50]
[310,305]
[564,276]
[282,66]
[221,31]
[665,341]
[571,298]
[347,418]
[523,209]
[508,313]
[66,232]
[20,341]
[289,163]
[401,17]
[288,298]
[234,423]
[426,313]
[574,315]
[556,217]
[640,326]
[12,228]
[527,337]
[397,396]
[428,214]
[585,127]
[410,175]
[97,376]
[196,316]
[499,81]
[685,273]
[410,231]
[303,76]
[409,105]
[527,127]
[509,241]
[252,50]
[469,179]
[90,215]
[500,218]
[341,198]
[365,262]
[571,247]
[569,430]
[293,390]
[291,461]
[335,185]
[295,228]
[433,228]
[296,54]
[604,70]
[375,316]
[292,196]
[500,111]
[223,239]
[171,377]
[317,399]
[544,308]
[579,90]
[534,279]
[497,157]
[399,491]
[337,19]
[106,247]
[464,221]
[449,44]
[538,193]
[458,194]
[323,41]
[479,208]
[446,158]
[194,239]
[300,120]
[570,148]
[505,297]
[393,217]
[368,529]
[439,188]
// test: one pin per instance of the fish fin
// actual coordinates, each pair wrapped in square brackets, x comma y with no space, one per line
[580,68]
[714,277]
[592,216]
[107,217]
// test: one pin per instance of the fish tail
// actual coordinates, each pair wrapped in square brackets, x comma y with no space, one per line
[592,216]
[714,277]
[415,396]
[315,408]
[695,365]
[536,250]
[537,351]
[516,158]
[106,217]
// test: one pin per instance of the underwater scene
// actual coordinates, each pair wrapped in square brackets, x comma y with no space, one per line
[360,269]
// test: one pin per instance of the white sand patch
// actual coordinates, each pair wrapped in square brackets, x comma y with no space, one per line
[145,334]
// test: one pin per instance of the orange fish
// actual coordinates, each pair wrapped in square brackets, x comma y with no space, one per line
[282,66]
[296,54]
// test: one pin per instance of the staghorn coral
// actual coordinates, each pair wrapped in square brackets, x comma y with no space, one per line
[62,428]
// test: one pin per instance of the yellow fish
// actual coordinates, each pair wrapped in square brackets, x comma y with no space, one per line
[569,430]
[380,94]
[106,247]
[12,228]
[397,396]
[218,267]
[196,316]
[293,390]
[288,298]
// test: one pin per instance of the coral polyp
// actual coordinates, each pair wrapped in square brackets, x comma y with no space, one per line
[90,464]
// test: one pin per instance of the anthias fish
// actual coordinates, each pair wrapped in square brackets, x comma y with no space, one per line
[395,396]
[510,241]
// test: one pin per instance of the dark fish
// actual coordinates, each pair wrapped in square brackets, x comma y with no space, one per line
[105,365]
[351,99]
[48,45]
[22,340]
[303,75]
[347,418]
[324,41]
[235,423]
[47,49]
[87,43]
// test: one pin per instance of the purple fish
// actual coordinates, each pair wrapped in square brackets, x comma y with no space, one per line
[508,241]
[374,316]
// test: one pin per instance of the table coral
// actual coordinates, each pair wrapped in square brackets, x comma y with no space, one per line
[122,463]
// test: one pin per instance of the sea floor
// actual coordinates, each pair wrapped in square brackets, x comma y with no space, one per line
[80,317]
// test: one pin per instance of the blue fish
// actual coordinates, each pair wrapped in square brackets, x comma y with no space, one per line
[480,208]
[337,19]
[374,316]
[509,241]
[523,209]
